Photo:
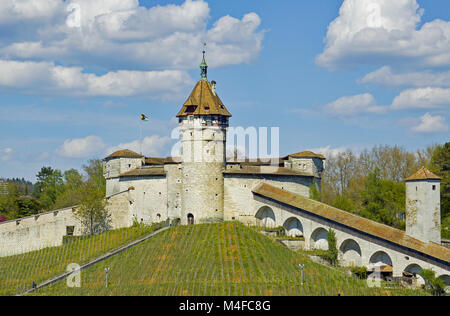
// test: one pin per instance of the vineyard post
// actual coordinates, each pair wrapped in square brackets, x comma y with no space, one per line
[301,269]
[106,271]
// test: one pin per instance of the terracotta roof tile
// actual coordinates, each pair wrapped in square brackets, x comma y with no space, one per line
[423,174]
[256,162]
[267,170]
[144,172]
[364,225]
[126,153]
[162,161]
[307,154]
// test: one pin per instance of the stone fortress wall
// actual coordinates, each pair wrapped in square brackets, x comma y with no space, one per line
[37,232]
[356,248]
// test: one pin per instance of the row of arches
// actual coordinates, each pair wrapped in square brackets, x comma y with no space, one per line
[349,250]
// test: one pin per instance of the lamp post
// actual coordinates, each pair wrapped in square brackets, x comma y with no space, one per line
[301,266]
[106,271]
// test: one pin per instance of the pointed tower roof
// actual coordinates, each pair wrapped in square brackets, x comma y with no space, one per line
[203,99]
[423,174]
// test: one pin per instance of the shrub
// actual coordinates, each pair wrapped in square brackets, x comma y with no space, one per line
[435,285]
[360,272]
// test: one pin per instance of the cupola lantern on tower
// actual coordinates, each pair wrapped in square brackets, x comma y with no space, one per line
[204,68]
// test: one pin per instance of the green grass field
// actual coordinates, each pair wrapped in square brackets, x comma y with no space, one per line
[211,259]
[17,273]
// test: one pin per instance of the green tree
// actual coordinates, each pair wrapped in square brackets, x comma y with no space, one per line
[48,186]
[332,252]
[440,164]
[94,172]
[71,194]
[14,205]
[28,206]
[435,285]
[314,193]
[344,203]
[9,203]
[383,200]
[92,211]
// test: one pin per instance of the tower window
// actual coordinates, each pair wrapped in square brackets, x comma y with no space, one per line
[191,108]
[434,188]
[70,230]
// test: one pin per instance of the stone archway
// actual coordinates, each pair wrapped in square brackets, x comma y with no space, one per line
[318,239]
[446,279]
[190,219]
[413,270]
[380,264]
[350,252]
[266,217]
[293,227]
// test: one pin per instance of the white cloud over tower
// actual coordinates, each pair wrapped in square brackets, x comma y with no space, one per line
[136,48]
[411,56]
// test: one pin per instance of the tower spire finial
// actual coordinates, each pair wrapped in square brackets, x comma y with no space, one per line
[204,66]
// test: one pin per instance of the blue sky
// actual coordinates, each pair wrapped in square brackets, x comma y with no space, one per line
[333,75]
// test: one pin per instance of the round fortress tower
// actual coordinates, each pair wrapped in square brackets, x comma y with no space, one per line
[203,123]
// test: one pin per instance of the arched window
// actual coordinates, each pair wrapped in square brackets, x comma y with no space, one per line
[266,217]
[293,227]
[190,219]
[350,252]
[319,239]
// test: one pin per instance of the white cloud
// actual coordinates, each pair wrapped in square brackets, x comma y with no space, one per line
[328,152]
[384,32]
[46,78]
[385,76]
[116,34]
[151,146]
[353,105]
[6,154]
[422,98]
[81,147]
[13,10]
[431,124]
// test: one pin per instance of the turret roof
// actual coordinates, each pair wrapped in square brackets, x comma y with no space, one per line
[307,154]
[126,153]
[423,174]
[203,101]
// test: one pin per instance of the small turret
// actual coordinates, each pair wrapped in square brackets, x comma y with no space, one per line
[117,163]
[307,162]
[423,206]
